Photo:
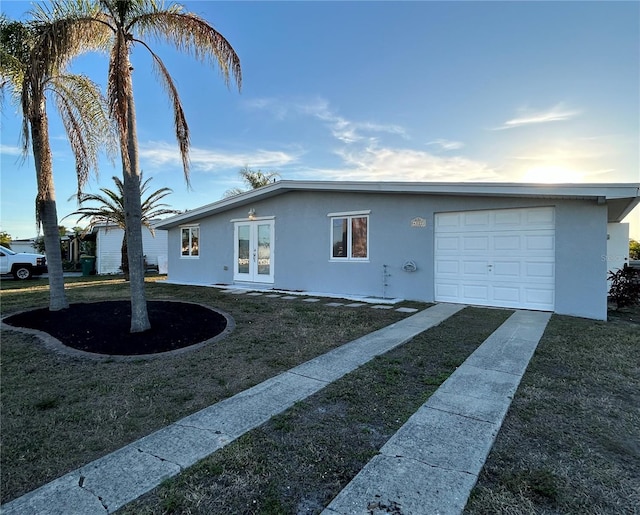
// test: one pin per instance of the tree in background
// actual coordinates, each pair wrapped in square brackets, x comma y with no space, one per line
[33,59]
[634,249]
[5,239]
[110,210]
[253,180]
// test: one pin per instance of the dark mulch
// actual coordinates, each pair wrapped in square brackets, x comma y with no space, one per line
[103,327]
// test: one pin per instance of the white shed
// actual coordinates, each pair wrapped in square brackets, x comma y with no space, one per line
[23,245]
[109,243]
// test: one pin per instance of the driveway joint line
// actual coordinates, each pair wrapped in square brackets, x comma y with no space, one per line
[458,414]
[142,451]
[431,465]
[88,490]
[323,381]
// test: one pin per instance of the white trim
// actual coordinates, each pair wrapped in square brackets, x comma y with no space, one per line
[256,219]
[350,213]
[348,258]
[190,255]
[627,193]
[253,277]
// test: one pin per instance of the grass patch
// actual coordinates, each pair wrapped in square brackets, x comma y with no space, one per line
[59,412]
[571,440]
[299,460]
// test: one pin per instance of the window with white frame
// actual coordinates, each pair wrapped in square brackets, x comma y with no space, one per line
[350,236]
[190,241]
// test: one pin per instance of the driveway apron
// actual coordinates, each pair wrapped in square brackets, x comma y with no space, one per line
[432,463]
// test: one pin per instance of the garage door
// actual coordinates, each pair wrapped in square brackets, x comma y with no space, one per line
[502,257]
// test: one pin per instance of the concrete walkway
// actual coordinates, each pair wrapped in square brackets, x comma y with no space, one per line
[432,463]
[109,483]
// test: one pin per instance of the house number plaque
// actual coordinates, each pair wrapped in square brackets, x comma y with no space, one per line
[418,222]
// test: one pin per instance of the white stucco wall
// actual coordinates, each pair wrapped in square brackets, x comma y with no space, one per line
[302,234]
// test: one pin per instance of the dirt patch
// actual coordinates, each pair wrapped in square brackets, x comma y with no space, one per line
[103,327]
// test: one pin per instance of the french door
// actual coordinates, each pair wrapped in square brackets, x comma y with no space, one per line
[253,252]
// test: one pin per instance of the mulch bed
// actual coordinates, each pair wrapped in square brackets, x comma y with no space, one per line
[103,327]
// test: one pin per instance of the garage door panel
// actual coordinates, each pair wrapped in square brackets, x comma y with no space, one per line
[448,221]
[507,269]
[534,242]
[540,270]
[475,243]
[475,268]
[507,218]
[541,216]
[500,257]
[476,219]
[449,267]
[507,294]
[448,244]
[539,297]
[475,292]
[507,242]
[448,291]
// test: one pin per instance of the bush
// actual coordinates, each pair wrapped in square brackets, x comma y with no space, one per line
[625,286]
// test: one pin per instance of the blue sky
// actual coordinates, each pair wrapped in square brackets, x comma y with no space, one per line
[416,91]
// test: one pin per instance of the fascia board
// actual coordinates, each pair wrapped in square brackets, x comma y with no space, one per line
[575,191]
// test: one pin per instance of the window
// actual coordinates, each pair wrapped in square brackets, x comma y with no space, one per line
[190,241]
[349,236]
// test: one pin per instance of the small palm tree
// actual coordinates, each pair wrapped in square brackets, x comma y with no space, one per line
[253,179]
[33,69]
[110,211]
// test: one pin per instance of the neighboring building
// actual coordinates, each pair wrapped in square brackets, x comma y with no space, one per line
[528,246]
[23,245]
[109,245]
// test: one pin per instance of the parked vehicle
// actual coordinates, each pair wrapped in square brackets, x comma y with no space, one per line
[22,265]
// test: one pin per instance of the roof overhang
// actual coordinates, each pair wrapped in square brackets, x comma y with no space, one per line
[619,198]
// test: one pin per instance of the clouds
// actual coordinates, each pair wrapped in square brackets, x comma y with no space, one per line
[311,139]
[445,144]
[383,163]
[8,150]
[371,150]
[527,116]
[345,130]
[162,154]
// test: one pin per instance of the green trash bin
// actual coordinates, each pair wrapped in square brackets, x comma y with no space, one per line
[88,263]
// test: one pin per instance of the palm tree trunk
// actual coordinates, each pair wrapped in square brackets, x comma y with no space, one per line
[124,258]
[133,219]
[46,210]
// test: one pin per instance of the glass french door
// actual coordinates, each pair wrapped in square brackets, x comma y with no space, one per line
[253,253]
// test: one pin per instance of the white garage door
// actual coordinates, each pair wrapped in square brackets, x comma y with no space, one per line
[502,257]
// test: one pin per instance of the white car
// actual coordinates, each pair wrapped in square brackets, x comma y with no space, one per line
[22,265]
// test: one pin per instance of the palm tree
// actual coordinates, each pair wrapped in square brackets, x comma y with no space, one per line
[33,57]
[253,179]
[110,211]
[129,21]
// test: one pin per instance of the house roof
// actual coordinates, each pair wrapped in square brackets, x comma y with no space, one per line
[620,198]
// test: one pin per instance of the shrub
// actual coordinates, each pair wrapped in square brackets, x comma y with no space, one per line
[625,286]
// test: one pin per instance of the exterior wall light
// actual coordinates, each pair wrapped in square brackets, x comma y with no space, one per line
[252,214]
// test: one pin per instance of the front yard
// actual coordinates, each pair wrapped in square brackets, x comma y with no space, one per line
[569,443]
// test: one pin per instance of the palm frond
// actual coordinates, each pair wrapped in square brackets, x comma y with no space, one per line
[194,36]
[179,118]
[84,114]
[66,29]
[110,206]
